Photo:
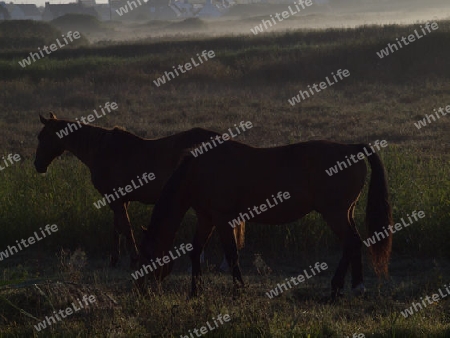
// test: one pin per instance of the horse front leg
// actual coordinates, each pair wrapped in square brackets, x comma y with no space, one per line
[115,251]
[122,225]
[202,235]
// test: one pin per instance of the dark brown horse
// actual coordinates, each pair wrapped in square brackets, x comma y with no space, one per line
[230,180]
[115,157]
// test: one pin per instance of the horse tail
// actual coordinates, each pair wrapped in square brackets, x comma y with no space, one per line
[378,215]
[239,234]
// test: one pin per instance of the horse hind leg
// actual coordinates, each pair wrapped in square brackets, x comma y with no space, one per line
[239,236]
[115,252]
[356,256]
[229,244]
[202,235]
[342,226]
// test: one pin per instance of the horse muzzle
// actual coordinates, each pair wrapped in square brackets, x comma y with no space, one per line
[40,168]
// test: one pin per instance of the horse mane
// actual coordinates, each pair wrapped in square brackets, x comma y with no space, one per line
[186,155]
[196,136]
[121,131]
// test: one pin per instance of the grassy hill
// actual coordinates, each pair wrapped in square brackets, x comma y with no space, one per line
[251,78]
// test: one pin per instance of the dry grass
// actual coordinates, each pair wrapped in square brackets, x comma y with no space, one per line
[250,79]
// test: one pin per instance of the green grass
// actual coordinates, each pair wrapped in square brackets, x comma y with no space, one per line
[250,79]
[65,197]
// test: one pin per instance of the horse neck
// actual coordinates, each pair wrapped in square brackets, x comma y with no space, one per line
[169,227]
[84,143]
[168,215]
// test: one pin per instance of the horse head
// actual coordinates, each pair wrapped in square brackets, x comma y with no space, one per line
[50,145]
[151,257]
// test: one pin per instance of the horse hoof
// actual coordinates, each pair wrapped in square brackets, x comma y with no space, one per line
[336,294]
[192,295]
[134,263]
[359,290]
[113,262]
[141,288]
[224,268]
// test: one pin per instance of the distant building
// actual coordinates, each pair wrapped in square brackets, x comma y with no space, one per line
[4,13]
[103,12]
[52,12]
[86,3]
[224,5]
[130,10]
[209,10]
[322,2]
[179,10]
[161,10]
[23,12]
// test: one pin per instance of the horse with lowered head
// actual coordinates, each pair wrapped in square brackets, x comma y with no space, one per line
[115,157]
[225,183]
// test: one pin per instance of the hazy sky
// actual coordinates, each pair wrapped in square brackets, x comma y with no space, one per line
[42,2]
[417,10]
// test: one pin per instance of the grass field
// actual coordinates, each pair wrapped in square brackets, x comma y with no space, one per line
[250,78]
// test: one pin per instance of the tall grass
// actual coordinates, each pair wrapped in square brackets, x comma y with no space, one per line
[250,78]
[65,197]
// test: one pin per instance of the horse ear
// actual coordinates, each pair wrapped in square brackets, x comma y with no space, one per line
[52,116]
[43,119]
